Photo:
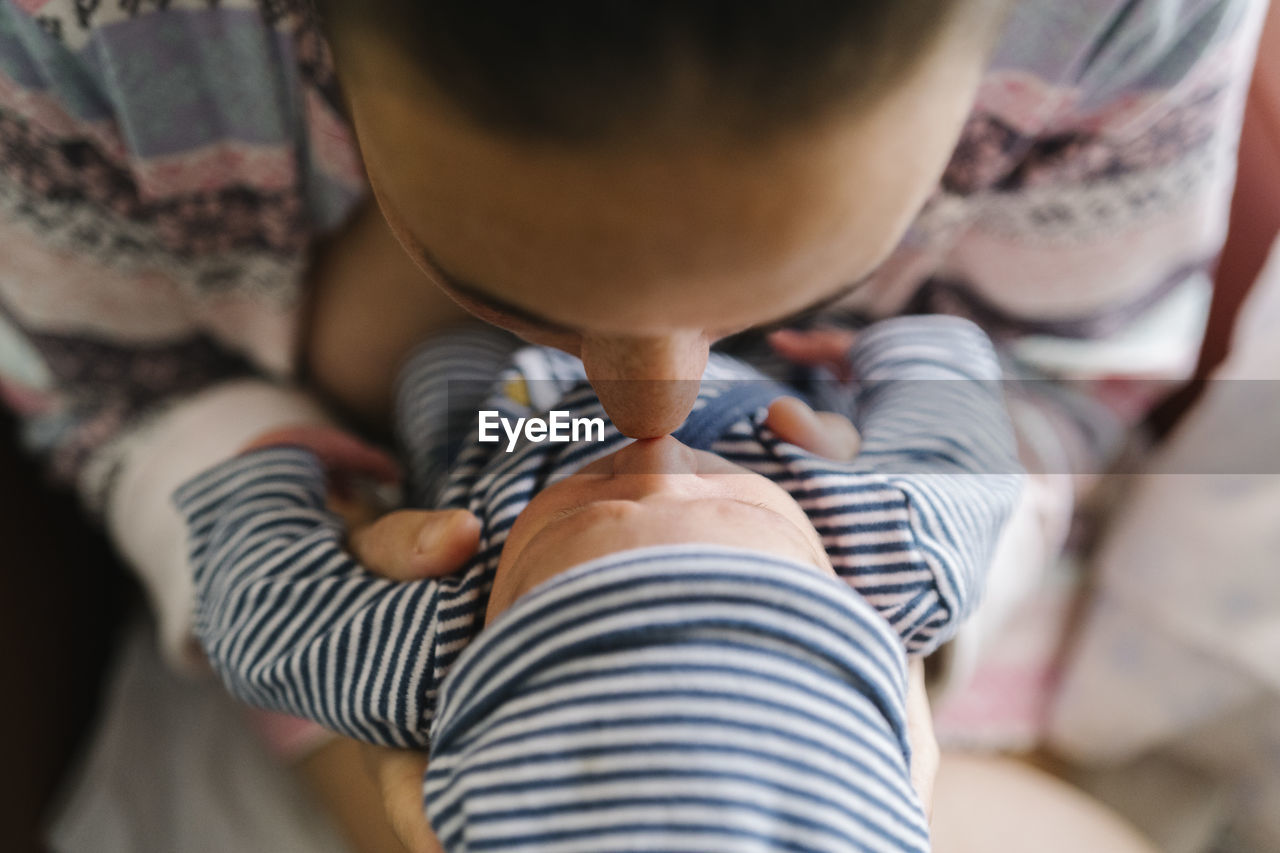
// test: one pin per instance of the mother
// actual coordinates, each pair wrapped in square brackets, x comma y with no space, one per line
[185,212]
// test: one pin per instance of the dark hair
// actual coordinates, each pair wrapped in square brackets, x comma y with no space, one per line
[586,69]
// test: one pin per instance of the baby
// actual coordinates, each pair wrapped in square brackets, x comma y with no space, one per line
[689,643]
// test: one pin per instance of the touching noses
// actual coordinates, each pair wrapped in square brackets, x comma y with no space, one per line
[647,385]
[657,456]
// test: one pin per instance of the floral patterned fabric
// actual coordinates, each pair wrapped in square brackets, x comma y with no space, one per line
[164,170]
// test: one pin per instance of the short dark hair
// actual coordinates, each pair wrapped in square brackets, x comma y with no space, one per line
[586,69]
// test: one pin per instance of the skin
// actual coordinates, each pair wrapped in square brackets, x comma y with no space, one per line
[635,254]
[652,492]
[990,804]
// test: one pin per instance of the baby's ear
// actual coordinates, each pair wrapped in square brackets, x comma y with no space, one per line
[824,434]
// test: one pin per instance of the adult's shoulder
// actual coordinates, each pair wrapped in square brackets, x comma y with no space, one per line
[75,23]
[180,98]
[1104,47]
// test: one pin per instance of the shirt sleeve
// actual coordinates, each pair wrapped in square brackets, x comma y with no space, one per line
[913,521]
[150,459]
[439,393]
[291,622]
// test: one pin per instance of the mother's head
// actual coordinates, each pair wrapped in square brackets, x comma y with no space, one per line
[631,180]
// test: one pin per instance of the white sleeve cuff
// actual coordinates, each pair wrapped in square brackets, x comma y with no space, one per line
[180,443]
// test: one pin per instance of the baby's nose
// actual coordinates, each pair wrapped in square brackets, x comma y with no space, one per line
[663,455]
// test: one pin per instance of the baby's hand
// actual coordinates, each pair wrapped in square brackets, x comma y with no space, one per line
[400,545]
[824,434]
[827,348]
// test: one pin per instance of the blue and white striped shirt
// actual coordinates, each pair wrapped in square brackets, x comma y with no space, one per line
[293,623]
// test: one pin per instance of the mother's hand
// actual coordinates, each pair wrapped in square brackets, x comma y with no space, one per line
[398,775]
[410,545]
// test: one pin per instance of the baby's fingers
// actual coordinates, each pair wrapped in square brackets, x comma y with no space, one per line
[824,434]
[827,348]
[416,544]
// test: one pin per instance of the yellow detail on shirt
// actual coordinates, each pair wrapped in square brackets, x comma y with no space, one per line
[516,390]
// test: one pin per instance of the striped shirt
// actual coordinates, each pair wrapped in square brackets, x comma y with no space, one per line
[678,698]
[291,622]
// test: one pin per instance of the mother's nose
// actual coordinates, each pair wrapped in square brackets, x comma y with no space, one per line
[647,385]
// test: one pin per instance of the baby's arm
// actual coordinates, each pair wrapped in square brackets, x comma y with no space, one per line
[912,522]
[439,392]
[288,619]
[291,622]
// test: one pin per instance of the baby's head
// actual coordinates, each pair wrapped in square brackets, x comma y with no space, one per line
[670,664]
[651,492]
